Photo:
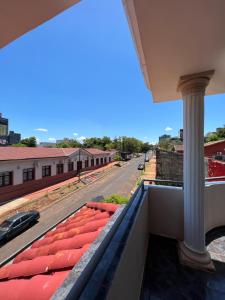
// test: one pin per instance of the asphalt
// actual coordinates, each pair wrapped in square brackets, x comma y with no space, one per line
[121,181]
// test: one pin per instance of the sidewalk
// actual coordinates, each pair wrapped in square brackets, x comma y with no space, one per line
[150,169]
[16,203]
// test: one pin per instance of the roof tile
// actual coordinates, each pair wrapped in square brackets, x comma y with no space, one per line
[41,269]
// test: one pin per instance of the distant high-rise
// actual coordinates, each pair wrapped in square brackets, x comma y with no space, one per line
[3,126]
[6,137]
[181,134]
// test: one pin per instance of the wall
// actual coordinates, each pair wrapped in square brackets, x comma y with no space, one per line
[169,165]
[211,150]
[166,216]
[216,168]
[15,191]
[166,211]
[127,281]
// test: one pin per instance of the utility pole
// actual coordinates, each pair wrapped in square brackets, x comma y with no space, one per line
[79,169]
[144,161]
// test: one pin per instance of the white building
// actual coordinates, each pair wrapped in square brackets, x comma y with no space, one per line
[25,169]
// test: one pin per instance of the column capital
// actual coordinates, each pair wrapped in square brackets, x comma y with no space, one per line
[194,83]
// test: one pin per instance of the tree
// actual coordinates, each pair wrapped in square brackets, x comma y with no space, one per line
[211,137]
[221,132]
[145,147]
[29,142]
[69,144]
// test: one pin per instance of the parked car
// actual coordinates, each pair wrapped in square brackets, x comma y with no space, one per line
[140,167]
[147,159]
[17,223]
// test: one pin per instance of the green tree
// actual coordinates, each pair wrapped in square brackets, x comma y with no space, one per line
[221,132]
[67,143]
[211,137]
[29,142]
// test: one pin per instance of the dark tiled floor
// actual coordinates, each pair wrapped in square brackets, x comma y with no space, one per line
[165,278]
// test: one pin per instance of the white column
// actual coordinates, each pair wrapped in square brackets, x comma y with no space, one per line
[193,250]
[194,233]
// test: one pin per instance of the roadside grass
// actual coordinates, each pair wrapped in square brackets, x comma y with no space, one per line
[116,199]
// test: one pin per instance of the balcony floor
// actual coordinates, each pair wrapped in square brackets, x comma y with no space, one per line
[165,278]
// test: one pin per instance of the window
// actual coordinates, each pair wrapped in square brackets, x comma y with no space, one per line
[109,159]
[24,218]
[46,171]
[28,174]
[102,161]
[59,168]
[86,163]
[16,223]
[92,162]
[105,160]
[6,178]
[70,166]
[97,161]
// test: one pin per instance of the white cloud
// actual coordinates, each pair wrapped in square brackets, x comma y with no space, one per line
[41,129]
[168,128]
[145,137]
[81,139]
[52,139]
[75,134]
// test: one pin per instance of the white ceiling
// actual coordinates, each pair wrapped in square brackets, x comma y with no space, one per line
[178,37]
[20,16]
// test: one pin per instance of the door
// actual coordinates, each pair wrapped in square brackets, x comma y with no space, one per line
[79,166]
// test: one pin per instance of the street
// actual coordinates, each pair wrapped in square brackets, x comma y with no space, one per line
[120,181]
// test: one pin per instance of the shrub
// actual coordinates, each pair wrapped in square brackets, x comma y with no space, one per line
[117,157]
[117,199]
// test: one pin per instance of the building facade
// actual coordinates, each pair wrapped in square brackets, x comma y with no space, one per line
[24,170]
[3,126]
[7,137]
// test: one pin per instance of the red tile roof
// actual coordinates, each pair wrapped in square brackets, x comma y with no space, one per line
[41,269]
[95,151]
[15,153]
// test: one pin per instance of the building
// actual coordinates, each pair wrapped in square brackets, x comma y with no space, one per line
[164,137]
[47,144]
[65,140]
[142,255]
[210,149]
[14,138]
[26,169]
[3,126]
[181,134]
[7,137]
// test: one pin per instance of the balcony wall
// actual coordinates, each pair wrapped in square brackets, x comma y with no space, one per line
[166,211]
[166,216]
[127,281]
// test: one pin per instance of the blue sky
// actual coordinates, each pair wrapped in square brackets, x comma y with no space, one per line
[79,74]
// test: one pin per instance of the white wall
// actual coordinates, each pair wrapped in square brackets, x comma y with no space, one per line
[166,211]
[166,215]
[17,166]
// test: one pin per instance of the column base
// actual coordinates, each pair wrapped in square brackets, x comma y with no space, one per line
[195,260]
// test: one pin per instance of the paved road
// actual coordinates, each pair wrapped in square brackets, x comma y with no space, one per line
[120,181]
